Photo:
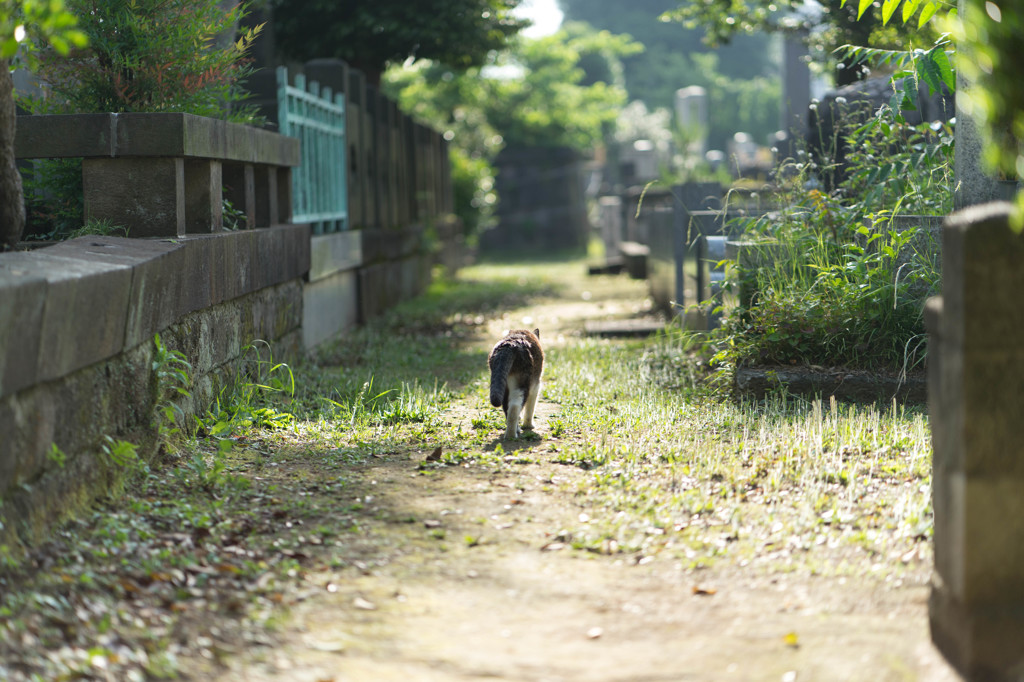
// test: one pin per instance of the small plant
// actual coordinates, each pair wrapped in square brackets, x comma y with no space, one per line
[97,227]
[244,404]
[233,218]
[123,454]
[171,369]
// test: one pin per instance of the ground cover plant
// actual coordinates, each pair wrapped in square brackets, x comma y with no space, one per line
[360,472]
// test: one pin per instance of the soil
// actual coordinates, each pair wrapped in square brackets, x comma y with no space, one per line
[463,576]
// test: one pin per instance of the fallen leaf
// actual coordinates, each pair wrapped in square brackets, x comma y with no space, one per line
[704,591]
[432,523]
[363,604]
[435,456]
[791,639]
[552,547]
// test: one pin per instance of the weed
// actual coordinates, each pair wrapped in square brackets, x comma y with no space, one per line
[171,369]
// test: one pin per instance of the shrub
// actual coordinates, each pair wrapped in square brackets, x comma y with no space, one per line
[838,284]
[143,56]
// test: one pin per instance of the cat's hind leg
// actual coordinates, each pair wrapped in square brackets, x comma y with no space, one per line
[515,406]
[531,404]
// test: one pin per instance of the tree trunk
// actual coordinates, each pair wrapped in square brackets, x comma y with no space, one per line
[12,198]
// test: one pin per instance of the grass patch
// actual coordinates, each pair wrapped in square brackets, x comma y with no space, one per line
[694,477]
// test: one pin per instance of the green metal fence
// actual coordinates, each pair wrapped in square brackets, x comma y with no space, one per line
[317,118]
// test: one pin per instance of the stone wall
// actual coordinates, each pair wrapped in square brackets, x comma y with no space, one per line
[77,328]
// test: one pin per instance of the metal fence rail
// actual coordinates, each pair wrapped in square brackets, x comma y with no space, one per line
[317,118]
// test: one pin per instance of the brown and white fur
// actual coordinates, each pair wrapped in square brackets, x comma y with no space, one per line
[516,364]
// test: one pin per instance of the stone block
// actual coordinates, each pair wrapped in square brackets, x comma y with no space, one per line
[268,210]
[330,307]
[146,195]
[70,339]
[22,300]
[282,254]
[158,294]
[334,253]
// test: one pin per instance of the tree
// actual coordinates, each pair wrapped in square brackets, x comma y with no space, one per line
[21,23]
[989,38]
[371,35]
[742,78]
[560,90]
[825,28]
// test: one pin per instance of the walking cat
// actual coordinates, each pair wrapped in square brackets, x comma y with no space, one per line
[516,363]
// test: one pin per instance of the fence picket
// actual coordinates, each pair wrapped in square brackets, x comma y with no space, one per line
[320,195]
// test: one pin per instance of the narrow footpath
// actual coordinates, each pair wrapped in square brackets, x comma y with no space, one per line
[474,577]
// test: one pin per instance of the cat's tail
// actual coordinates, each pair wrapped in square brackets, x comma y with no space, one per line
[500,364]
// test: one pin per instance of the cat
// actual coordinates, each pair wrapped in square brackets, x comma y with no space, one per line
[516,363]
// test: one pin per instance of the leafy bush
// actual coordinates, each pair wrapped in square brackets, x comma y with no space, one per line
[151,56]
[835,281]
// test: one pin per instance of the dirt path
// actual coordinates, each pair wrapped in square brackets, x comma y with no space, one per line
[462,574]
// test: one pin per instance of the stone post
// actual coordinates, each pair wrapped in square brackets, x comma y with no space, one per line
[976,402]
[147,194]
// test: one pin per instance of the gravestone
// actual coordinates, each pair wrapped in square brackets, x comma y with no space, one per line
[691,106]
[975,365]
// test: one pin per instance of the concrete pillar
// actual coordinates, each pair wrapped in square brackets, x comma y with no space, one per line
[976,401]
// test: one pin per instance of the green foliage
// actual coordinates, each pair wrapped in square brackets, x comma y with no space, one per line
[99,228]
[151,56]
[121,453]
[990,40]
[742,78]
[24,23]
[829,26]
[910,8]
[459,33]
[836,282]
[143,56]
[247,402]
[54,203]
[911,67]
[171,369]
[551,105]
[233,218]
[538,94]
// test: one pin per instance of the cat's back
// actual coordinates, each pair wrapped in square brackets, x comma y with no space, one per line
[524,347]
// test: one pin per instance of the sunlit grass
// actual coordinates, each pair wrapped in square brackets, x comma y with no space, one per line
[694,476]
